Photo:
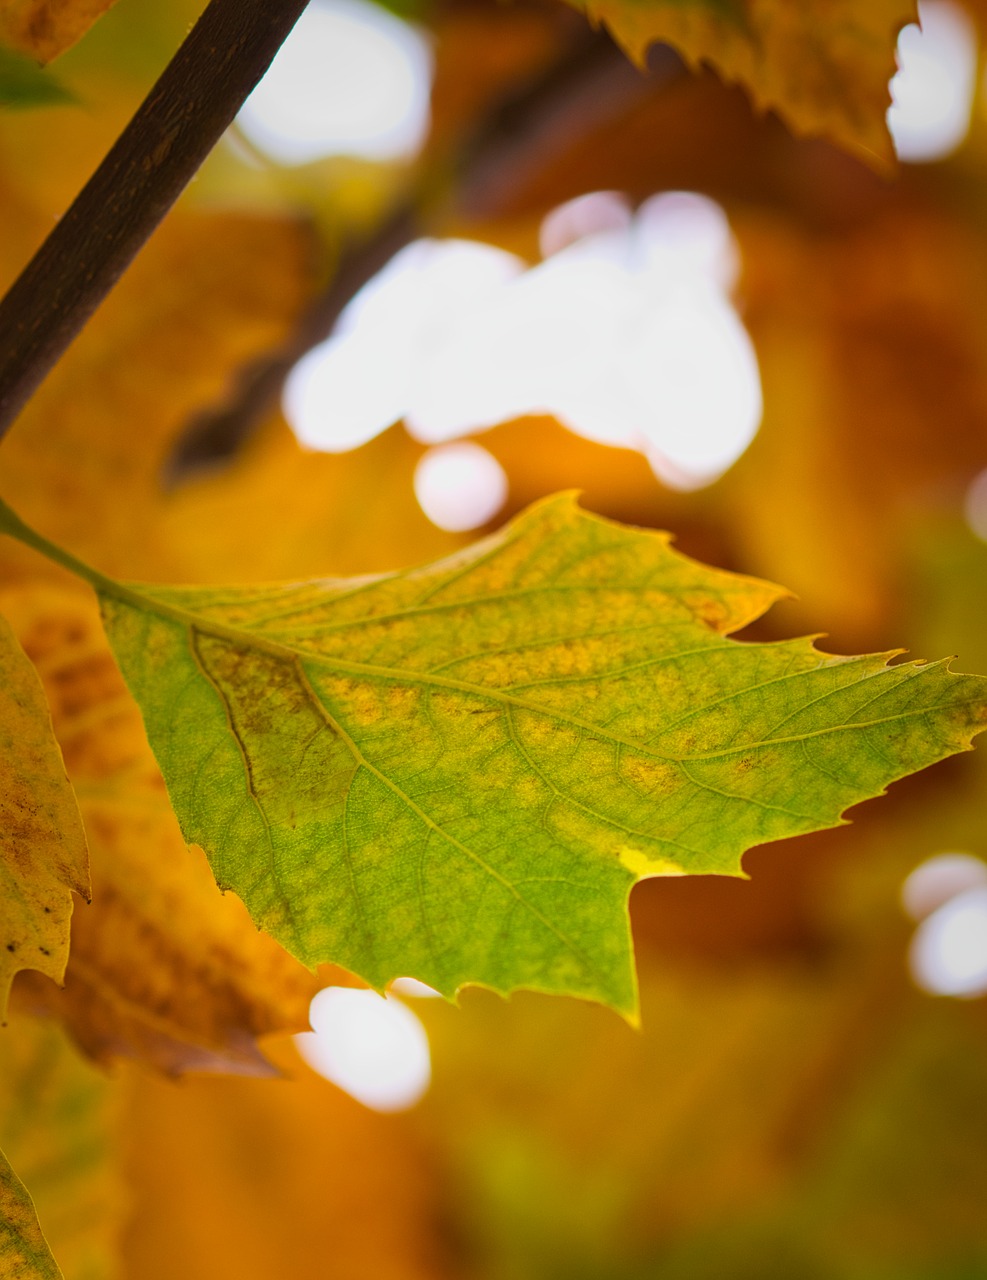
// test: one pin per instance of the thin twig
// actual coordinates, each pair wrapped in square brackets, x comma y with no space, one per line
[184,115]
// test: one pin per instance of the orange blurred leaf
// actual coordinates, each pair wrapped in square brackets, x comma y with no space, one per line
[46,28]
[291,1178]
[58,1127]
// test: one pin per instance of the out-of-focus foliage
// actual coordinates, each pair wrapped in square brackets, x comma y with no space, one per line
[58,1129]
[165,343]
[824,66]
[24,84]
[291,1175]
[792,1106]
[24,1252]
[46,28]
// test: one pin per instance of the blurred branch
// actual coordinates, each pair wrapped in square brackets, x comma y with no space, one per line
[591,82]
[174,129]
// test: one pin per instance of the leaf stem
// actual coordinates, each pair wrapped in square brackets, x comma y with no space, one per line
[12,525]
[182,118]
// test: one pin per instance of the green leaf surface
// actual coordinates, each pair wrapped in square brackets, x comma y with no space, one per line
[458,772]
[24,1253]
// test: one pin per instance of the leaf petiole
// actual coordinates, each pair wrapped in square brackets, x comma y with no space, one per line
[12,525]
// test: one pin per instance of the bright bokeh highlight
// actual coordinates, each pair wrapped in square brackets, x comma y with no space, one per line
[687,237]
[932,93]
[975,506]
[626,333]
[948,954]
[585,216]
[947,894]
[379,359]
[351,79]
[373,1047]
[415,989]
[460,486]
[940,878]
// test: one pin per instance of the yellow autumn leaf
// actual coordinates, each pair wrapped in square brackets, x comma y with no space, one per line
[162,966]
[215,984]
[43,854]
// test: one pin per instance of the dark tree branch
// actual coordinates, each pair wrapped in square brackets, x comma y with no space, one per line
[591,82]
[187,111]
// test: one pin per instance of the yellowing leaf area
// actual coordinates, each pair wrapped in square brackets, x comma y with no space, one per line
[563,755]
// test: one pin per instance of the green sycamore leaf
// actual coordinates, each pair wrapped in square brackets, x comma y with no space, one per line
[24,1252]
[458,772]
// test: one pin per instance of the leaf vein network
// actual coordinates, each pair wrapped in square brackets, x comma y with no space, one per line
[275,869]
[568,798]
[430,823]
[417,611]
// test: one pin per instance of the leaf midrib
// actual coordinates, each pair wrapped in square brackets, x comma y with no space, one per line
[245,638]
[241,638]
